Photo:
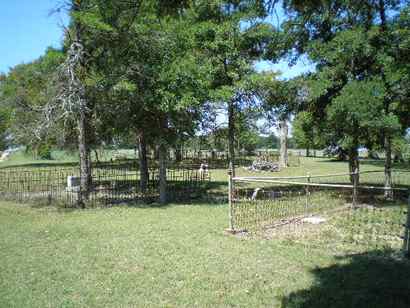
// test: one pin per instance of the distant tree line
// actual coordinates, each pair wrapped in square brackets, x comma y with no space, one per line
[156,74]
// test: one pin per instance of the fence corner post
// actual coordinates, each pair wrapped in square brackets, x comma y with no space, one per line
[307,191]
[355,186]
[230,198]
[406,239]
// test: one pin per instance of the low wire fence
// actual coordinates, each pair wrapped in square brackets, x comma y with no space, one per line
[110,184]
[220,160]
[364,212]
[294,158]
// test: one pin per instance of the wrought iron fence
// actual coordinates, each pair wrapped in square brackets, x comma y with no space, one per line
[220,160]
[110,184]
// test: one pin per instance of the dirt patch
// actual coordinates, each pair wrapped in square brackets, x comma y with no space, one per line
[296,229]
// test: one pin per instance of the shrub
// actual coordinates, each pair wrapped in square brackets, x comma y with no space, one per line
[44,152]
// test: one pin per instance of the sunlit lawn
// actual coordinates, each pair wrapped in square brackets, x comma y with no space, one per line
[309,165]
[173,256]
[121,257]
[179,256]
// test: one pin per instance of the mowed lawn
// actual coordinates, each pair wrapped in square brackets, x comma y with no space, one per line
[176,256]
[312,166]
[179,256]
[167,257]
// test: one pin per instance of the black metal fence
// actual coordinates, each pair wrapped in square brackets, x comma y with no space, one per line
[219,160]
[294,157]
[112,183]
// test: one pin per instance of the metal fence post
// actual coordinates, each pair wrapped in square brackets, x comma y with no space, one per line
[355,186]
[230,198]
[307,192]
[406,239]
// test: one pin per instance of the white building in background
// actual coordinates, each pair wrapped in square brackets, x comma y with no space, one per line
[7,153]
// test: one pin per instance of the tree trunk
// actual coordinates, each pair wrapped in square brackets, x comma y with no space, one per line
[162,150]
[283,159]
[353,163]
[156,153]
[85,162]
[178,153]
[97,157]
[307,152]
[213,154]
[388,193]
[142,156]
[231,135]
[76,52]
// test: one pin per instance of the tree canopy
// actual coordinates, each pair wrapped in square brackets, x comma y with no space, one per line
[156,74]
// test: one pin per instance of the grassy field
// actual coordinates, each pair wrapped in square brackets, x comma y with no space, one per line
[313,166]
[179,256]
[22,158]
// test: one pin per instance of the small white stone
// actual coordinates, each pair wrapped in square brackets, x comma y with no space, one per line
[314,220]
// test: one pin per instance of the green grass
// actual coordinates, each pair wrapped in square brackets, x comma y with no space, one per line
[175,256]
[21,158]
[179,256]
[59,157]
[313,166]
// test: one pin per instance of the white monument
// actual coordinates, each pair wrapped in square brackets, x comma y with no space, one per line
[73,183]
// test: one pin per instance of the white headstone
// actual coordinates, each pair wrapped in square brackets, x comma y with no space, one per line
[73,183]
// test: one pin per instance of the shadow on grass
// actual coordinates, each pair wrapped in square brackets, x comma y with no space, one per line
[212,193]
[370,162]
[209,193]
[365,280]
[56,164]
[380,163]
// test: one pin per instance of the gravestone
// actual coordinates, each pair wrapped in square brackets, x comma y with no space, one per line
[73,183]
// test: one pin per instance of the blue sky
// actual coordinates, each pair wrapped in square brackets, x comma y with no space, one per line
[26,30]
[287,72]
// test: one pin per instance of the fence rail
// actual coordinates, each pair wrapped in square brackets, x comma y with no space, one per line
[257,204]
[110,184]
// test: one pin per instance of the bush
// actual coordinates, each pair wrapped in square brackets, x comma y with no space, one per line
[44,152]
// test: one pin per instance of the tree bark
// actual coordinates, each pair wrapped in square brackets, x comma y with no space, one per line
[388,193]
[77,48]
[231,135]
[162,151]
[213,154]
[283,159]
[307,152]
[353,163]
[156,153]
[142,156]
[178,153]
[85,161]
[97,157]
